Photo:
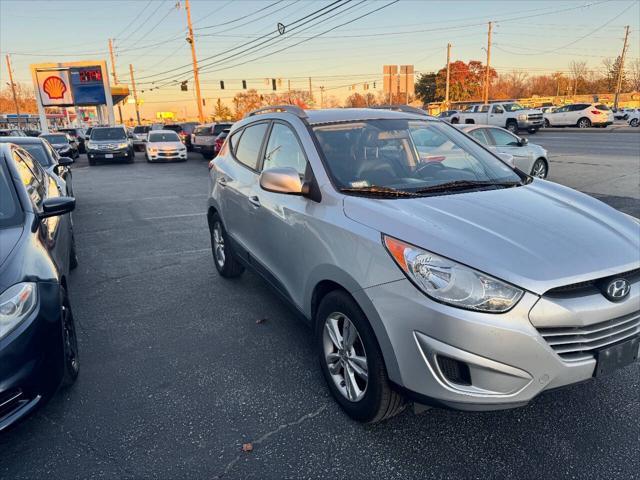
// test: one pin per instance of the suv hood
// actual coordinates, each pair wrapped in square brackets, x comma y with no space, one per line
[539,236]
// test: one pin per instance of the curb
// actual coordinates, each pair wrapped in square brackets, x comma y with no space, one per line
[614,129]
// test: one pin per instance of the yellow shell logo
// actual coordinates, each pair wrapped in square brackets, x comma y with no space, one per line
[54,87]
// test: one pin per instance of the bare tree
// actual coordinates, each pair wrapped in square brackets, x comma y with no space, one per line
[578,73]
[634,75]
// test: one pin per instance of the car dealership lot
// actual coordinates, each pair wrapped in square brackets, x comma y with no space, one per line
[181,368]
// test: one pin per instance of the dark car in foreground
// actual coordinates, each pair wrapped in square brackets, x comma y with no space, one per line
[55,165]
[38,343]
[78,134]
[110,143]
[63,144]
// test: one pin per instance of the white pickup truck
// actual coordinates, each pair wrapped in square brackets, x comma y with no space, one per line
[509,115]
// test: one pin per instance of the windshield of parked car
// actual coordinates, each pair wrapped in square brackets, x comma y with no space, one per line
[56,139]
[164,137]
[38,152]
[108,134]
[406,155]
[141,129]
[513,107]
[10,213]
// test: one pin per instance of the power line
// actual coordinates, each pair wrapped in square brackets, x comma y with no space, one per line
[134,20]
[142,24]
[242,17]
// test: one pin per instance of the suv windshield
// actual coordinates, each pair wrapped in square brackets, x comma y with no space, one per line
[407,156]
[56,139]
[164,137]
[108,134]
[513,107]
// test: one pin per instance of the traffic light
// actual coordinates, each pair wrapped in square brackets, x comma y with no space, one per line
[183,86]
[273,83]
[244,84]
[221,84]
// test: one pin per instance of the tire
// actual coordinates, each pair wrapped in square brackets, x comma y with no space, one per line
[634,122]
[70,342]
[224,258]
[73,256]
[512,126]
[540,169]
[584,122]
[532,130]
[368,401]
[547,124]
[455,121]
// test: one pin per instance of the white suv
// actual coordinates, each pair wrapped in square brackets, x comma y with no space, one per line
[581,115]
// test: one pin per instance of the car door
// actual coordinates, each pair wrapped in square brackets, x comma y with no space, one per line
[280,218]
[54,232]
[237,179]
[574,113]
[557,117]
[496,116]
[506,142]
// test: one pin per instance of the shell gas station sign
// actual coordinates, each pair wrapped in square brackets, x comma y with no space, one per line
[55,88]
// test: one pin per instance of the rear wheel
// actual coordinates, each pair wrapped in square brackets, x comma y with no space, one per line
[539,168]
[351,361]
[634,122]
[224,257]
[512,126]
[584,122]
[70,342]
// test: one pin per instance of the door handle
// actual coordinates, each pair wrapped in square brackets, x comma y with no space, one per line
[255,201]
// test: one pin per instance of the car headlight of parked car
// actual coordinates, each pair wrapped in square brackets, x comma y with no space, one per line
[16,303]
[123,145]
[452,283]
[522,116]
[152,150]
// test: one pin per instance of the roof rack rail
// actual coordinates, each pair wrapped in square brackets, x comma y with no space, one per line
[402,108]
[297,111]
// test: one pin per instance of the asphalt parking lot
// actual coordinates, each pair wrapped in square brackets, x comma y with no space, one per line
[180,368]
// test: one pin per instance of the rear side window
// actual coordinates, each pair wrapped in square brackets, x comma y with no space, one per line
[206,130]
[480,136]
[31,176]
[249,145]
[141,129]
[604,108]
[577,107]
[220,127]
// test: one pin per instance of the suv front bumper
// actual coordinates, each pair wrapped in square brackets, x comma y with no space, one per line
[508,360]
[108,154]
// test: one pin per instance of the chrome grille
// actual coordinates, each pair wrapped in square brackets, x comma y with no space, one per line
[574,344]
[535,116]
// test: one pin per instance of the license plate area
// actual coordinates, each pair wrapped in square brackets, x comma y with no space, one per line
[617,356]
[108,155]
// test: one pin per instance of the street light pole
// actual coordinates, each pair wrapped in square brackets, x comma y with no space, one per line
[114,74]
[13,88]
[486,77]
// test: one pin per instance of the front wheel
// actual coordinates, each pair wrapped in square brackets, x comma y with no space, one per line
[634,122]
[512,127]
[70,345]
[351,360]
[224,257]
[547,124]
[584,123]
[540,169]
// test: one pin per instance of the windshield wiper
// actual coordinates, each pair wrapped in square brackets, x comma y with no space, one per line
[379,190]
[464,185]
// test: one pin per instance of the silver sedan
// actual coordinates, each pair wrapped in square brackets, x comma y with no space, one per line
[528,157]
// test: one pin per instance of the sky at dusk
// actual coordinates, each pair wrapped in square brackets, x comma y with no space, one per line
[533,36]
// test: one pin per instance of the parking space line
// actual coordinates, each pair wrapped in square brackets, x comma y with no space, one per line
[174,216]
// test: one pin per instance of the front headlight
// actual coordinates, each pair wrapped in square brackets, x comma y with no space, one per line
[522,117]
[88,144]
[16,303]
[123,145]
[152,150]
[449,282]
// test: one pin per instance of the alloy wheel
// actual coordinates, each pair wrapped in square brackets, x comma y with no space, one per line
[218,244]
[539,169]
[584,123]
[345,356]
[70,338]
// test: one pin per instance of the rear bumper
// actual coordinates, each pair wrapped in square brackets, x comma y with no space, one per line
[31,359]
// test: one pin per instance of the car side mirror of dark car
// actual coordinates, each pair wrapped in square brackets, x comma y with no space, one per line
[281,180]
[523,141]
[53,207]
[65,161]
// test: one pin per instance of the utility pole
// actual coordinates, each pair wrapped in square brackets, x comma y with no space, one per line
[621,67]
[310,90]
[135,93]
[114,74]
[446,86]
[321,97]
[289,89]
[194,58]
[13,88]
[486,77]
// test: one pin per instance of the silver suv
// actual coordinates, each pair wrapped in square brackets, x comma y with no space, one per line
[429,269]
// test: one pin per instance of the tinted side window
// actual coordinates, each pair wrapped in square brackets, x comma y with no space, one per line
[498,109]
[484,108]
[249,145]
[34,185]
[283,150]
[504,139]
[604,108]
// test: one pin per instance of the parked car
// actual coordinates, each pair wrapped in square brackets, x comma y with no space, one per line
[581,115]
[140,133]
[528,157]
[622,113]
[56,166]
[634,118]
[78,134]
[184,130]
[447,115]
[217,146]
[110,143]
[204,137]
[165,146]
[509,115]
[38,342]
[63,144]
[29,132]
[12,132]
[459,283]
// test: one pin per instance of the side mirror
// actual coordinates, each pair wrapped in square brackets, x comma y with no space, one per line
[52,207]
[65,161]
[523,141]
[507,158]
[281,180]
